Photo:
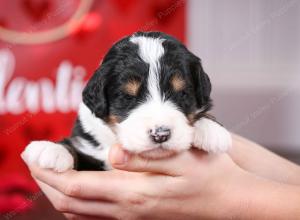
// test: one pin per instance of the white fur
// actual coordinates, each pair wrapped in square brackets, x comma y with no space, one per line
[99,152]
[96,127]
[49,155]
[151,50]
[100,131]
[211,137]
[133,132]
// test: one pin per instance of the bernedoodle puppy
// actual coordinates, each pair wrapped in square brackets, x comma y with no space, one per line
[151,95]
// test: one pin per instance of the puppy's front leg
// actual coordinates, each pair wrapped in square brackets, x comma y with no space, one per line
[211,136]
[46,154]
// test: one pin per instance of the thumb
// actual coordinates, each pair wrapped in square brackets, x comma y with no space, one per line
[123,160]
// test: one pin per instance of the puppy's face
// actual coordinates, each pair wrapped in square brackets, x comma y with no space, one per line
[149,89]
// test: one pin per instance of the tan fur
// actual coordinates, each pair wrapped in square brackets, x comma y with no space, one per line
[132,87]
[177,83]
[112,119]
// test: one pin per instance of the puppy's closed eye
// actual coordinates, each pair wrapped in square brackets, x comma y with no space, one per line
[132,87]
[177,82]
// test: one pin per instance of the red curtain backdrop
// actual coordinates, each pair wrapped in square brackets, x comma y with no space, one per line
[48,49]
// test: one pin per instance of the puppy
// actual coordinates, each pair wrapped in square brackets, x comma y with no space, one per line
[151,95]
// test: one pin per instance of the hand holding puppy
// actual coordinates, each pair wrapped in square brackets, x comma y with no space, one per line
[189,185]
[185,186]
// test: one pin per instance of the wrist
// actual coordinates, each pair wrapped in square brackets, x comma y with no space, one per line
[254,197]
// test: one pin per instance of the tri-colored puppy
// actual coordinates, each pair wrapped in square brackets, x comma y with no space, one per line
[151,95]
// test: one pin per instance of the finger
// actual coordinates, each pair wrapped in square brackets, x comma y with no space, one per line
[76,206]
[173,165]
[86,184]
[82,217]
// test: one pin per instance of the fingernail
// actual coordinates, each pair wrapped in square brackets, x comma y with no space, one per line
[119,156]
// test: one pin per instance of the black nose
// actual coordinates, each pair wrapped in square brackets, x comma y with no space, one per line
[160,134]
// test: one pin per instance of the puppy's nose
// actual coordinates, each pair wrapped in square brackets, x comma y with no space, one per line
[160,134]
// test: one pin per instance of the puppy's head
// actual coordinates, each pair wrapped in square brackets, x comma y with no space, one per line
[149,89]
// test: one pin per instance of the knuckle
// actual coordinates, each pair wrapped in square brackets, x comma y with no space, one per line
[73,189]
[62,204]
[134,205]
[136,199]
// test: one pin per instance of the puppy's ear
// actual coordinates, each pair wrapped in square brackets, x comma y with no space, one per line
[202,84]
[94,94]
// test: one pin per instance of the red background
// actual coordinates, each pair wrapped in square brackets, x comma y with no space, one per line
[105,23]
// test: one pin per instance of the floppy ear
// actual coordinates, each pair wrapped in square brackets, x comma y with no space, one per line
[202,84]
[94,94]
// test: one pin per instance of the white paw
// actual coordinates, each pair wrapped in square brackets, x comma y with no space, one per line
[48,155]
[211,137]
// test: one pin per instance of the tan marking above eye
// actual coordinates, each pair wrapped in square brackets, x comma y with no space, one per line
[132,87]
[177,82]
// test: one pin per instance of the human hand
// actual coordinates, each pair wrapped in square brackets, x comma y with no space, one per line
[190,185]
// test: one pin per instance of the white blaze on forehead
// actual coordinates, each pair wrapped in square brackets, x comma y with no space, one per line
[155,111]
[150,50]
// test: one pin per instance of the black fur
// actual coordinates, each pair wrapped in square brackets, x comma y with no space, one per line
[78,131]
[103,94]
[82,161]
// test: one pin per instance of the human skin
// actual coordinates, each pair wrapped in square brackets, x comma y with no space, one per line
[258,160]
[190,185]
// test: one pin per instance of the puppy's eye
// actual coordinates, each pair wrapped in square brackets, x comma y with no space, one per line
[177,82]
[132,87]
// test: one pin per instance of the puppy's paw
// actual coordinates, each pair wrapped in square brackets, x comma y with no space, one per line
[211,137]
[48,155]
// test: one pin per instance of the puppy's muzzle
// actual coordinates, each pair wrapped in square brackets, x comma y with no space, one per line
[160,134]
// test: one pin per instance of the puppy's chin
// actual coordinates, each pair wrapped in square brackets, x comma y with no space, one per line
[157,153]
